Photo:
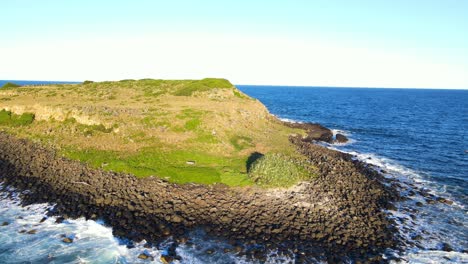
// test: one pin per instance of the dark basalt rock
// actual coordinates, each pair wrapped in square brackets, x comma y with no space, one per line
[337,213]
[340,138]
[67,240]
[315,132]
[32,232]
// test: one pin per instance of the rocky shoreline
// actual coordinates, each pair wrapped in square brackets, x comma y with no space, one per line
[338,214]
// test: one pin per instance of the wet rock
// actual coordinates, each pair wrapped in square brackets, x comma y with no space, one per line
[165,259]
[146,256]
[67,240]
[237,249]
[43,220]
[340,138]
[419,204]
[443,200]
[32,232]
[59,220]
[210,251]
[5,223]
[446,247]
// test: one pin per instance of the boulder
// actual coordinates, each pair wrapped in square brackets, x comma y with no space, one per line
[340,138]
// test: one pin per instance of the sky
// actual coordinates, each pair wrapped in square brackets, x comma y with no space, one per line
[367,43]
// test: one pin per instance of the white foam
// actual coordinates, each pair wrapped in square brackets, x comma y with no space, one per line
[436,257]
[287,120]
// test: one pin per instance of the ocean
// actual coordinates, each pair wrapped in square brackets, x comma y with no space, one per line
[414,135]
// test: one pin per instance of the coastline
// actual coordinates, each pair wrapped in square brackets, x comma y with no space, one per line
[336,213]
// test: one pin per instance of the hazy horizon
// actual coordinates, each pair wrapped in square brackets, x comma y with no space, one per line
[260,85]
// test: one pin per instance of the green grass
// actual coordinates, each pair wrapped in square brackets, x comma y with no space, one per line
[171,165]
[192,124]
[276,170]
[10,119]
[241,142]
[202,86]
[10,85]
[239,95]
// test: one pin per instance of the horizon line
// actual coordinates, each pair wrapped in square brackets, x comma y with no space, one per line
[268,85]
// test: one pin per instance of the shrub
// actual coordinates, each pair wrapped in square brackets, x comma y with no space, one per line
[24,119]
[10,119]
[10,85]
[276,170]
[87,82]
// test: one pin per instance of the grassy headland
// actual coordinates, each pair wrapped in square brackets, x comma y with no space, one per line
[203,131]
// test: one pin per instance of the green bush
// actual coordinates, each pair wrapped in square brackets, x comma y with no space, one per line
[10,119]
[87,82]
[10,85]
[276,170]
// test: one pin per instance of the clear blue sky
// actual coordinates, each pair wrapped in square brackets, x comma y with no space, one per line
[408,43]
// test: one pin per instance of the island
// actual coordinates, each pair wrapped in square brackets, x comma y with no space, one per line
[158,158]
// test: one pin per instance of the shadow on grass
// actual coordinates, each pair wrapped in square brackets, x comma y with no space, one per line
[252,158]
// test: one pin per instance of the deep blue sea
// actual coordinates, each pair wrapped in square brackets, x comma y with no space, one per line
[416,136]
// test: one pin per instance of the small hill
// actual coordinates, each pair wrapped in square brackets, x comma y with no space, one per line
[10,85]
[202,131]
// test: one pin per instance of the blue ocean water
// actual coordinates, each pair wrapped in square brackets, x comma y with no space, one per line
[26,83]
[416,136]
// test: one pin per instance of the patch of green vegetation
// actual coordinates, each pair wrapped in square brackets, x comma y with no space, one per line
[202,85]
[51,94]
[207,138]
[10,85]
[154,122]
[277,170]
[8,118]
[192,124]
[241,142]
[171,165]
[87,82]
[239,95]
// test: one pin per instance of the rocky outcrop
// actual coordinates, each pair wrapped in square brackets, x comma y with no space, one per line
[315,132]
[338,212]
[340,138]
